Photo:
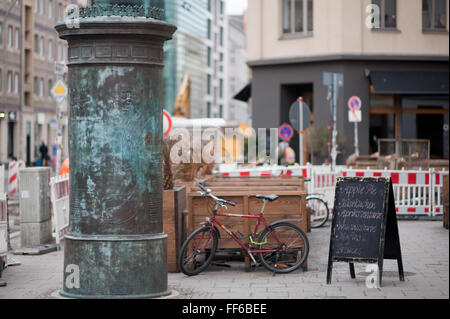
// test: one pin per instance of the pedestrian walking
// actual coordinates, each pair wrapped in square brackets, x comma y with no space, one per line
[43,149]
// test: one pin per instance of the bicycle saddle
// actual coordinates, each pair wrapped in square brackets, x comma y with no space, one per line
[268,197]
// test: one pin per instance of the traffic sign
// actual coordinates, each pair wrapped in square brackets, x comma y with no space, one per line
[60,68]
[286,132]
[355,104]
[59,91]
[355,116]
[295,118]
[167,123]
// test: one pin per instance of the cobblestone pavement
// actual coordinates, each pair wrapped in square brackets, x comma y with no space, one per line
[425,250]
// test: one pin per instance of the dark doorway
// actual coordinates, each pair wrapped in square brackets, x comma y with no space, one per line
[11,139]
[430,127]
[28,163]
[381,126]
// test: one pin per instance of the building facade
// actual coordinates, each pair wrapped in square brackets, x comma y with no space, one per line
[198,49]
[185,53]
[238,72]
[393,54]
[29,48]
[216,60]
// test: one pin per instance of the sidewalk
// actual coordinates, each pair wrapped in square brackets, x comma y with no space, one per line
[425,250]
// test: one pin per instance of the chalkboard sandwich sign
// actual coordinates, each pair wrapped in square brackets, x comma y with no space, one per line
[364,227]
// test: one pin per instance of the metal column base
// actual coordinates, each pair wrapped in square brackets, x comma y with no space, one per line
[104,267]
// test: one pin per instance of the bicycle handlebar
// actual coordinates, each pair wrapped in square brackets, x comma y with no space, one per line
[202,188]
[208,193]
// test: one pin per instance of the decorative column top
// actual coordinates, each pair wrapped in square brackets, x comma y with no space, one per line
[124,8]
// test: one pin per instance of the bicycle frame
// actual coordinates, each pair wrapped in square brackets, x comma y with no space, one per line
[260,219]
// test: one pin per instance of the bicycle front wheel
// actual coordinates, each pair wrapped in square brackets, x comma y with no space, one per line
[198,251]
[290,244]
[319,211]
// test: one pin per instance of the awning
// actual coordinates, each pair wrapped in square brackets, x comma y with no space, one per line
[245,94]
[423,83]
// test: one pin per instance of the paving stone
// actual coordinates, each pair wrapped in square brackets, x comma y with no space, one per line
[425,252]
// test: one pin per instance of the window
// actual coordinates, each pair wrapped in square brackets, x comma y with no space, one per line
[221,111]
[1,80]
[27,98]
[41,7]
[9,81]
[60,12]
[60,53]
[221,88]
[36,6]
[50,9]
[208,84]
[434,15]
[221,36]
[209,57]
[16,83]
[41,87]
[208,109]
[50,49]
[209,5]
[388,13]
[41,46]
[10,36]
[36,86]
[50,86]
[36,44]
[209,29]
[297,17]
[1,33]
[16,38]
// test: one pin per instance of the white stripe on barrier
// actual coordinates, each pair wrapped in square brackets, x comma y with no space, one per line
[3,227]
[59,195]
[2,178]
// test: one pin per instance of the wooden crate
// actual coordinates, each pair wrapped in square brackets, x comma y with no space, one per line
[291,204]
[174,204]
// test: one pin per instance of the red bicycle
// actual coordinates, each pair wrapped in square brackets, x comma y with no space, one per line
[281,246]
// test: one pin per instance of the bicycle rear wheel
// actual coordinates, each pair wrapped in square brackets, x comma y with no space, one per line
[292,249]
[197,251]
[319,211]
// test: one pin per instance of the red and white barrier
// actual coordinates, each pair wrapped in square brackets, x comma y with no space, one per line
[3,228]
[323,182]
[13,176]
[267,171]
[416,193]
[59,195]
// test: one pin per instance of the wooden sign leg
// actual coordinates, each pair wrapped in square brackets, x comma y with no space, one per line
[392,248]
[352,270]
[380,272]
[400,269]
[329,272]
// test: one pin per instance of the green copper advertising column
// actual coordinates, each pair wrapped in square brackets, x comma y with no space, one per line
[115,247]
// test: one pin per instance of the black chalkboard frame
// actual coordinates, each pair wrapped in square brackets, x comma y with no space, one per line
[389,243]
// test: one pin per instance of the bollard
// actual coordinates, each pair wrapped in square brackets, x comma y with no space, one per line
[115,247]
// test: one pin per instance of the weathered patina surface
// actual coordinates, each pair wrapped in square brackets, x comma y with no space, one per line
[115,145]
